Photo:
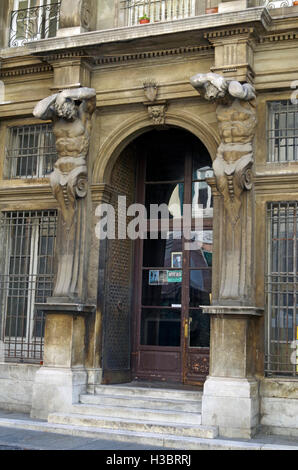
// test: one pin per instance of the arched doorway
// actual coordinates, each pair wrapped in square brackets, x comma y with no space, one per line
[172,277]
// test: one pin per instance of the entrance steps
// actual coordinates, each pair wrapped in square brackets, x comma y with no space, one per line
[138,412]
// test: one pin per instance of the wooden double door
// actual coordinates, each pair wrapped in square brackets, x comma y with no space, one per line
[173,261]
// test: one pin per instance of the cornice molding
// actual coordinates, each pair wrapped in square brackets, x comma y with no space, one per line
[287,36]
[27,70]
[152,54]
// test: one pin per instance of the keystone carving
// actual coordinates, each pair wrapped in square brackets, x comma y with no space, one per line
[157,113]
[236,115]
[70,112]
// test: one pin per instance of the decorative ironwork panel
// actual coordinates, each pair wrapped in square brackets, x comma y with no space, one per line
[31,151]
[278,3]
[282,289]
[118,279]
[26,257]
[33,24]
[282,132]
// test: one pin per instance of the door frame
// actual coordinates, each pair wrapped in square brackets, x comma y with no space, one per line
[183,349]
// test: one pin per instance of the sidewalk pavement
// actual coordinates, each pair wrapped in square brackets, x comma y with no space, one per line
[15,434]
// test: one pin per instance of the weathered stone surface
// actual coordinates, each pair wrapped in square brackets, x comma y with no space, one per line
[16,386]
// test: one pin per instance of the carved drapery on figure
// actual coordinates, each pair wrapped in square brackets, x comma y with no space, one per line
[236,115]
[71,112]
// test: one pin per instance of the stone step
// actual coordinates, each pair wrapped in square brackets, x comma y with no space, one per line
[143,402]
[178,417]
[148,392]
[148,439]
[143,426]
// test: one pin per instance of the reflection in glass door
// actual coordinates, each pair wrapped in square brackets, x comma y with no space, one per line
[172,283]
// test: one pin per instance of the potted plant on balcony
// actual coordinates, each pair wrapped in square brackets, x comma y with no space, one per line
[211,10]
[144,19]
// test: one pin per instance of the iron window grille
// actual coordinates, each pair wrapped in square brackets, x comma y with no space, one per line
[282,132]
[157,10]
[26,257]
[31,151]
[32,20]
[282,289]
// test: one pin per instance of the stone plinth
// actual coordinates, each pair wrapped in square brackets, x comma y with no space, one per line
[231,397]
[63,377]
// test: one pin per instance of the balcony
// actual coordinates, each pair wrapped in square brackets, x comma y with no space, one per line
[157,10]
[33,24]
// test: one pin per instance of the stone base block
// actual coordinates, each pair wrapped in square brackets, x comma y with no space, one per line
[57,390]
[94,379]
[232,405]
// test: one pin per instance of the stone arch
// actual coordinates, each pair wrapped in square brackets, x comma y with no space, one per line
[132,128]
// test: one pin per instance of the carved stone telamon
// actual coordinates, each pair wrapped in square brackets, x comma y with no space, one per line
[71,112]
[236,115]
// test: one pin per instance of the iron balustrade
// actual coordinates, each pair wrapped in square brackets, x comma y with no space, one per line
[277,3]
[35,23]
[27,243]
[157,10]
[282,289]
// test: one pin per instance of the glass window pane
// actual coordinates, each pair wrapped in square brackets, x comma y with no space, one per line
[200,287]
[171,195]
[161,327]
[202,196]
[202,164]
[162,287]
[165,166]
[202,256]
[158,253]
[199,329]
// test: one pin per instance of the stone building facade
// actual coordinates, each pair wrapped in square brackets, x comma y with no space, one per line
[199,105]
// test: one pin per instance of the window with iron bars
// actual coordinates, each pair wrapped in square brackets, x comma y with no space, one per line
[26,255]
[32,20]
[282,289]
[31,151]
[282,131]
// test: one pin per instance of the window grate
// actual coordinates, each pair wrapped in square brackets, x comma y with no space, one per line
[27,254]
[31,151]
[282,289]
[282,132]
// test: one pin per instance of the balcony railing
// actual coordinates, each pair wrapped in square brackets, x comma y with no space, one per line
[157,10]
[33,24]
[278,3]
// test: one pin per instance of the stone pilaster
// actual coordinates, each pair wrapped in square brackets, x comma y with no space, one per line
[231,397]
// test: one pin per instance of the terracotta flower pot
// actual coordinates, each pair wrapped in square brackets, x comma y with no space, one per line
[144,20]
[295,3]
[211,10]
